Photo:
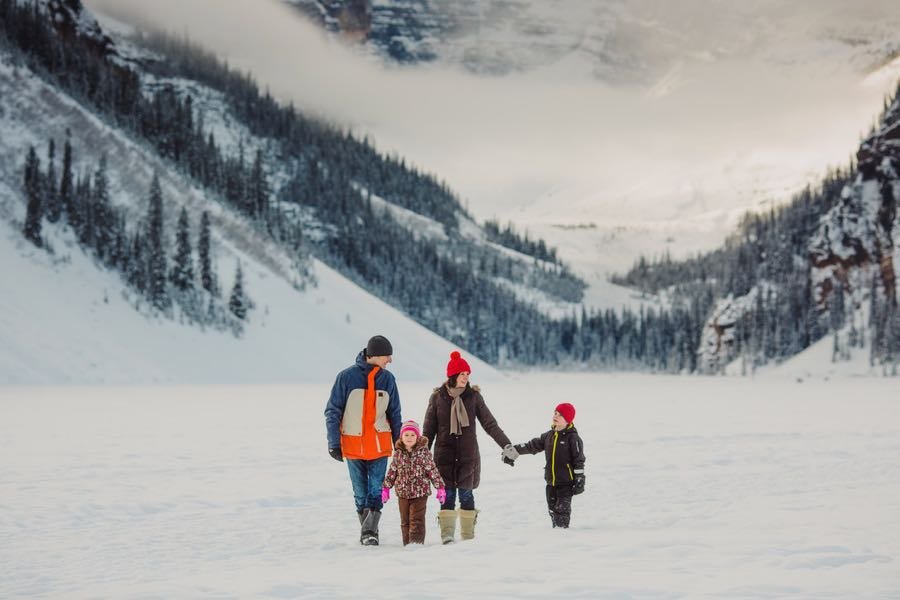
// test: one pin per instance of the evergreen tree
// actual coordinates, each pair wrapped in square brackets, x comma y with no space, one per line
[237,302]
[156,256]
[182,274]
[34,210]
[66,182]
[836,307]
[136,274]
[102,222]
[118,256]
[52,195]
[207,275]
[83,211]
[259,189]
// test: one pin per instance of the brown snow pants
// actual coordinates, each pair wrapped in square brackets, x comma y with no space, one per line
[412,519]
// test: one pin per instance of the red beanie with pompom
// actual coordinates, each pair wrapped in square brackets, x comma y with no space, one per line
[457,364]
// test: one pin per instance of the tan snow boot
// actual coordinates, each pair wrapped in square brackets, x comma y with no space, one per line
[447,521]
[467,520]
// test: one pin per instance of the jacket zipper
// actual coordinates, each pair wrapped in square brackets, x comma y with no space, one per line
[553,458]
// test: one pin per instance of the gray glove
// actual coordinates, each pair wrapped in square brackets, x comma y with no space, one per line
[510,452]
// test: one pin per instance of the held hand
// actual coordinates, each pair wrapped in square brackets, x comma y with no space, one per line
[441,495]
[509,461]
[579,484]
[336,454]
[385,494]
[510,452]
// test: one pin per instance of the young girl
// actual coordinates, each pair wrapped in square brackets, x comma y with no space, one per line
[564,469]
[412,470]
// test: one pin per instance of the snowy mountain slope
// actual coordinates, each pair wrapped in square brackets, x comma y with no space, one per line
[419,225]
[160,93]
[746,105]
[65,319]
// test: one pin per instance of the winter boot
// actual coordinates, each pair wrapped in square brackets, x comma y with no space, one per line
[467,520]
[447,521]
[369,534]
[362,514]
[559,519]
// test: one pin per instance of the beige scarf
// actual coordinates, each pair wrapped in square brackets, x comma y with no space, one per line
[459,418]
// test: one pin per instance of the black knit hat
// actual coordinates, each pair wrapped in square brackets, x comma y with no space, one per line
[379,346]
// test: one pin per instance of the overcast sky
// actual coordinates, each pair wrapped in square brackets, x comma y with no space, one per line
[698,138]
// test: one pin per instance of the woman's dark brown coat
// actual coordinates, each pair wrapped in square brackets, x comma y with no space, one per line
[457,456]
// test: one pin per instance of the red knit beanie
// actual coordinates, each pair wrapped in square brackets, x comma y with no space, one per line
[567,411]
[457,364]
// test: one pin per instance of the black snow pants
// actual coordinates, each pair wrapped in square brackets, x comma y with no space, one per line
[559,503]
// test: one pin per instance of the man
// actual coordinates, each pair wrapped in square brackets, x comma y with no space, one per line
[363,421]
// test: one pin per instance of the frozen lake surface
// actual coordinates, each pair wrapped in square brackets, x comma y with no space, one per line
[696,487]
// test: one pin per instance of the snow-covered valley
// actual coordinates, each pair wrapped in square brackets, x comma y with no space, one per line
[697,488]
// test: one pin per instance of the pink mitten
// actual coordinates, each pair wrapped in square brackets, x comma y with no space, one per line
[385,494]
[441,495]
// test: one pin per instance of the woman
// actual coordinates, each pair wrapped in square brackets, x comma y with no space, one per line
[450,425]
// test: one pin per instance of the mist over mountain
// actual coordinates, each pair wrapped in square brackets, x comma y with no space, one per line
[618,41]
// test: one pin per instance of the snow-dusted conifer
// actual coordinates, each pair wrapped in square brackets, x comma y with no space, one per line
[207,275]
[237,302]
[136,274]
[259,189]
[34,212]
[65,185]
[182,275]
[50,186]
[156,256]
[103,224]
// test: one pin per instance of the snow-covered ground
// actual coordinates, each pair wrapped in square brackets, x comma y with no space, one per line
[697,488]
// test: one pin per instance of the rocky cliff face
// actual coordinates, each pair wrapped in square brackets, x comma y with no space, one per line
[859,234]
[406,31]
[70,19]
[851,257]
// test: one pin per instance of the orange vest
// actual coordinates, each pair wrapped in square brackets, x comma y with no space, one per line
[371,444]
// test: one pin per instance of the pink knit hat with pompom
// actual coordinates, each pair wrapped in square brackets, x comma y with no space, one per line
[411,426]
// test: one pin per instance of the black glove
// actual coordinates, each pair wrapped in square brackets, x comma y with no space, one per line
[509,461]
[336,454]
[579,484]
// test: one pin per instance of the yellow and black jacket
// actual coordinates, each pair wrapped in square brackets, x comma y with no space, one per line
[564,452]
